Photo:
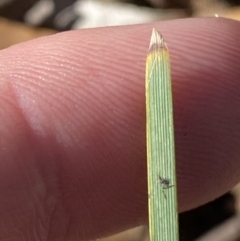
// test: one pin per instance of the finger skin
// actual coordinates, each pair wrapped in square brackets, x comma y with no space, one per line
[72,146]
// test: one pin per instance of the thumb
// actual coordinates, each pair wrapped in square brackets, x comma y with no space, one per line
[72,146]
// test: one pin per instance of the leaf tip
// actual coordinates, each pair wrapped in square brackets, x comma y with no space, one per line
[157,42]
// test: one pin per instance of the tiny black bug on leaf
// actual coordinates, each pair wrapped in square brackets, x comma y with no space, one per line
[165,182]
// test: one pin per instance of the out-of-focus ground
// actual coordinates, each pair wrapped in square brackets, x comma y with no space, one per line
[59,15]
[24,20]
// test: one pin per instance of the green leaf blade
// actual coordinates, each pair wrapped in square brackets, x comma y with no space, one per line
[162,183]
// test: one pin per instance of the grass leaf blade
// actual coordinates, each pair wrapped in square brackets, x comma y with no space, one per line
[162,184]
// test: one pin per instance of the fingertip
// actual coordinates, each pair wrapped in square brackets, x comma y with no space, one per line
[81,96]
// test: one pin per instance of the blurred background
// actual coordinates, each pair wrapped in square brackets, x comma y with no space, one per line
[22,20]
[19,18]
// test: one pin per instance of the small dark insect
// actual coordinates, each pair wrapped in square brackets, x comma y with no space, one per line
[165,182]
